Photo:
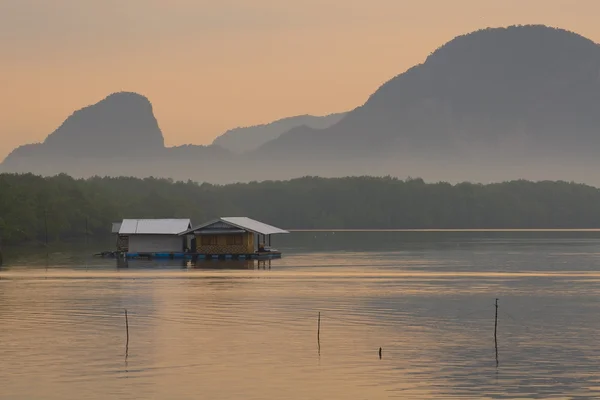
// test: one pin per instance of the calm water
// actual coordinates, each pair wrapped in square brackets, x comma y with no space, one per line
[236,330]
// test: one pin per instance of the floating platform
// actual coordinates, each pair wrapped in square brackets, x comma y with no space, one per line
[267,255]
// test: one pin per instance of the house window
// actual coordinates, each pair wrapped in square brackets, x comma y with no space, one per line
[208,240]
[234,240]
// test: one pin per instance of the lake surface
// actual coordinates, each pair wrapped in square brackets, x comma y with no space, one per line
[240,330]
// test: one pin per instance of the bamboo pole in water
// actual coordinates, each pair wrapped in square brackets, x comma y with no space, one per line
[319,333]
[496,332]
[319,327]
[127,332]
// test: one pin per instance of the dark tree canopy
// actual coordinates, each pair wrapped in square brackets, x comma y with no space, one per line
[28,203]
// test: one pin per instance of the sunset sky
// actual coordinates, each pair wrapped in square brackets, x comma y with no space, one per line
[208,66]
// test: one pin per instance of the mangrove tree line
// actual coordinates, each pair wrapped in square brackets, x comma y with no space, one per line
[60,207]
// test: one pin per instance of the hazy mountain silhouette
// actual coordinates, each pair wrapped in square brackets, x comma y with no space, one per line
[121,123]
[503,103]
[244,139]
[523,91]
[117,136]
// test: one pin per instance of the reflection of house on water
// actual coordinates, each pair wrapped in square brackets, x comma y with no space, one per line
[133,263]
[265,264]
[230,264]
[227,264]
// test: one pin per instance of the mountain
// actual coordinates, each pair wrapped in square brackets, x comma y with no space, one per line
[496,104]
[121,125]
[493,97]
[239,140]
[119,135]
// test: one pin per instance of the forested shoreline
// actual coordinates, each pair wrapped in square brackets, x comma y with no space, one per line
[62,208]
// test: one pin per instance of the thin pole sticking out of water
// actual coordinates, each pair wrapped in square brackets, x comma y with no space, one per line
[319,327]
[496,332]
[319,333]
[380,353]
[127,331]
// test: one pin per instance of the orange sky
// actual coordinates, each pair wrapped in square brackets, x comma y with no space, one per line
[212,65]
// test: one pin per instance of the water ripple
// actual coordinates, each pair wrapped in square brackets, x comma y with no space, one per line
[252,334]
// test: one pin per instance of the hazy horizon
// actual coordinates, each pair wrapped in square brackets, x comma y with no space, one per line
[209,67]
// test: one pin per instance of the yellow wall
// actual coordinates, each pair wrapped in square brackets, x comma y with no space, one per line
[250,241]
[222,247]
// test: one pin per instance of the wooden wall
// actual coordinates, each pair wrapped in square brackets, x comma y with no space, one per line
[122,243]
[221,246]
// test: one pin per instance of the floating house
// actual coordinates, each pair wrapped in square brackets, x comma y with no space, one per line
[234,237]
[152,237]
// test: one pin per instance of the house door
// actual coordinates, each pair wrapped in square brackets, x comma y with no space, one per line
[123,243]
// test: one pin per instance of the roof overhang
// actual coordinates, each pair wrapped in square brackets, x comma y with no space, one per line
[219,232]
[241,223]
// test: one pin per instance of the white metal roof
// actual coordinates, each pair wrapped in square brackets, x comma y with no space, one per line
[252,225]
[154,226]
[244,223]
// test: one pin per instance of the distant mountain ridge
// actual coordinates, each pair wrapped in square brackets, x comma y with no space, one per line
[118,135]
[121,124]
[122,128]
[486,91]
[243,139]
[496,104]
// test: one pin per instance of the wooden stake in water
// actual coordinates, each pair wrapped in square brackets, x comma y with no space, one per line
[496,332]
[380,353]
[127,331]
[319,326]
[319,334]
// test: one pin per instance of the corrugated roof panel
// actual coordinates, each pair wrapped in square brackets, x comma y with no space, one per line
[253,225]
[245,223]
[154,226]
[222,232]
[128,226]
